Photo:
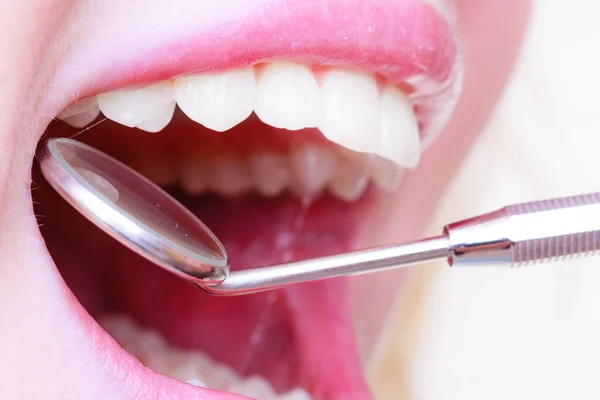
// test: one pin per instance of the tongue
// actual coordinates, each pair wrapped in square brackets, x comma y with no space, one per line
[300,336]
[325,341]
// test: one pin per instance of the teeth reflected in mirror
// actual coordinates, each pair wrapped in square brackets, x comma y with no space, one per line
[99,183]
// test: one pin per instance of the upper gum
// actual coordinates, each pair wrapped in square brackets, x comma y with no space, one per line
[317,70]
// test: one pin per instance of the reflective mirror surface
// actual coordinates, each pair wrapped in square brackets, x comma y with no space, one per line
[134,210]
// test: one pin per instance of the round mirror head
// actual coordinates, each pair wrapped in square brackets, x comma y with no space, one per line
[133,210]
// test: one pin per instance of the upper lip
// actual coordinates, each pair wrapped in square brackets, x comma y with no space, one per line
[401,42]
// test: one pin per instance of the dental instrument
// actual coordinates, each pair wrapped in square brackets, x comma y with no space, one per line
[143,217]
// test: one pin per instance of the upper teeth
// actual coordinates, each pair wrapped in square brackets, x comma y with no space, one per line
[137,106]
[351,111]
[80,113]
[289,96]
[217,101]
[349,108]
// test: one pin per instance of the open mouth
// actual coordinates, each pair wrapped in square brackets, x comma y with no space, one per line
[284,151]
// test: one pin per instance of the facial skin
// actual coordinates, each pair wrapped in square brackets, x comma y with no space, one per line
[41,324]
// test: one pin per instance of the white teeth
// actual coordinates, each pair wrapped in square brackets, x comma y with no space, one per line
[79,107]
[131,107]
[83,119]
[196,382]
[288,96]
[312,167]
[296,394]
[120,327]
[270,172]
[217,101]
[99,183]
[399,134]
[159,121]
[184,370]
[385,173]
[349,183]
[254,387]
[220,377]
[350,110]
[80,113]
[376,128]
[228,176]
[348,107]
[305,171]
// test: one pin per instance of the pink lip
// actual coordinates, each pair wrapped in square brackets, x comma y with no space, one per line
[395,42]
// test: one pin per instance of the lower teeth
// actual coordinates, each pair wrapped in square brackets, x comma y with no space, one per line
[306,171]
[193,367]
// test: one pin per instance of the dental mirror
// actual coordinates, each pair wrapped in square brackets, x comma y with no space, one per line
[133,210]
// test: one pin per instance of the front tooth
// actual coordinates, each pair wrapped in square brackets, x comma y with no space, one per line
[350,110]
[131,107]
[228,176]
[159,121]
[349,182]
[270,172]
[80,113]
[399,135]
[312,167]
[217,101]
[288,96]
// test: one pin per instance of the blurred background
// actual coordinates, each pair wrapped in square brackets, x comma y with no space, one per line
[532,333]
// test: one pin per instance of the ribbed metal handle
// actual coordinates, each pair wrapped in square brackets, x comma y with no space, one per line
[575,233]
[529,233]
